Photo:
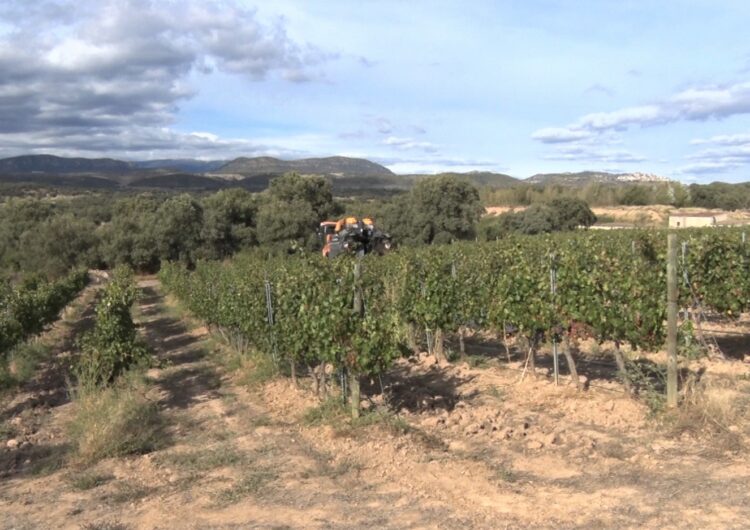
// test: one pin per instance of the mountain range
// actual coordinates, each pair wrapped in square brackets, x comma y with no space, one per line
[348,175]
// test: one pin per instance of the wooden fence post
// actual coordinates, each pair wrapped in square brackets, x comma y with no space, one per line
[671,320]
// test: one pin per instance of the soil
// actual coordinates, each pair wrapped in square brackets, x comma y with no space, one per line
[467,445]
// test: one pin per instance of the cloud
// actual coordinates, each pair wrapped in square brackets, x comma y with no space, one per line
[601,89]
[725,139]
[555,135]
[719,154]
[367,63]
[693,104]
[431,165]
[405,144]
[140,143]
[592,153]
[84,74]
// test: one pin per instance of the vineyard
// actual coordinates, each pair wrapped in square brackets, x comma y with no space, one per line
[157,401]
[360,316]
[26,309]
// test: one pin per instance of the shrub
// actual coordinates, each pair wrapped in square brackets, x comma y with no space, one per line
[112,346]
[115,421]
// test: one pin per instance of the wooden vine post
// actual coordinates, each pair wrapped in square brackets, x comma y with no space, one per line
[358,308]
[671,320]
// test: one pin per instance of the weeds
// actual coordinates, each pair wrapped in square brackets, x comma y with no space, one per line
[477,361]
[332,411]
[504,474]
[649,381]
[21,363]
[115,421]
[252,483]
[255,370]
[87,480]
[717,412]
[324,468]
[496,392]
[48,460]
[105,525]
[126,492]
[7,431]
[204,460]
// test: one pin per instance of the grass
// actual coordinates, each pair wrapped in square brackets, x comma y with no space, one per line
[126,492]
[477,361]
[7,431]
[496,392]
[253,483]
[105,525]
[48,460]
[332,411]
[21,363]
[505,474]
[324,467]
[204,459]
[718,411]
[115,421]
[87,480]
[255,369]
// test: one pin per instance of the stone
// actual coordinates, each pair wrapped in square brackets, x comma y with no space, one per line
[12,444]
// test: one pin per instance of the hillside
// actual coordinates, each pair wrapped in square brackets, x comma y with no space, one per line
[585,177]
[486,178]
[335,166]
[186,165]
[50,164]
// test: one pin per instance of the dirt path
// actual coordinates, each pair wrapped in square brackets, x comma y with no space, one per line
[470,448]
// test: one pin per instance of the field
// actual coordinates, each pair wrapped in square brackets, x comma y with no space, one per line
[482,441]
[655,215]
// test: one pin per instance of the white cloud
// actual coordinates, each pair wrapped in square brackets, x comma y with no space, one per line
[591,153]
[554,135]
[693,104]
[104,71]
[404,144]
[719,154]
[724,139]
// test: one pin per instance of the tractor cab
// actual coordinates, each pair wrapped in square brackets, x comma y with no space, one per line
[350,235]
[327,230]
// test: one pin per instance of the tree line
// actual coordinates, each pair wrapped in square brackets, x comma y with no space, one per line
[52,235]
[715,195]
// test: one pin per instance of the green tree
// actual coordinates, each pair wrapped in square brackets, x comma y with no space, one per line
[58,244]
[293,208]
[229,218]
[444,208]
[572,213]
[178,230]
[130,238]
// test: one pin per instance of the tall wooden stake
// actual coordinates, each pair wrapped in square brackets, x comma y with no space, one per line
[358,312]
[672,320]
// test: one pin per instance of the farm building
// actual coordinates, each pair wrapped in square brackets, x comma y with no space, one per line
[696,220]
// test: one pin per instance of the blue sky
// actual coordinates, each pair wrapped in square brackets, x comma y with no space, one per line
[518,87]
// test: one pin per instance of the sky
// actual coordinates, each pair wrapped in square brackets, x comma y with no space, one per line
[519,87]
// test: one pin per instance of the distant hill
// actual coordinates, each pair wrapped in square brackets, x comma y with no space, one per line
[186,165]
[585,177]
[334,166]
[59,165]
[484,178]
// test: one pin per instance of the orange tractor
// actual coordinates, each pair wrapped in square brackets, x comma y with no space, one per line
[350,235]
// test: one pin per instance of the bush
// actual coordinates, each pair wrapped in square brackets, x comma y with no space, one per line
[115,421]
[21,363]
[112,346]
[26,309]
